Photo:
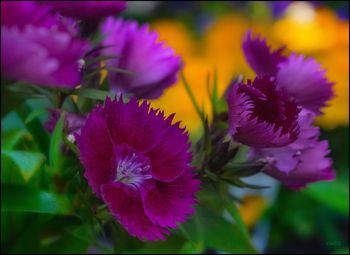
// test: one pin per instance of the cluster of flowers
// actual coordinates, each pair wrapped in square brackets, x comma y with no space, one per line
[274,114]
[55,48]
[136,160]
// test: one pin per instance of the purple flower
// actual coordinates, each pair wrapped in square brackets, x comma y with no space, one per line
[138,163]
[52,50]
[23,13]
[261,115]
[41,56]
[153,66]
[303,79]
[301,162]
[259,55]
[73,121]
[87,10]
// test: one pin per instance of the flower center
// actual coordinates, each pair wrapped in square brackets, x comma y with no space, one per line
[132,168]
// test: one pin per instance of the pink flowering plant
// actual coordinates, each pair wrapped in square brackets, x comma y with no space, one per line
[88,165]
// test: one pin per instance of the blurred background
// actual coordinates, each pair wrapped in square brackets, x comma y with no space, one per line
[208,36]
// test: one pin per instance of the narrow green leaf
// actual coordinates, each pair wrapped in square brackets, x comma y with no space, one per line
[27,162]
[193,99]
[94,93]
[120,70]
[215,87]
[55,144]
[17,198]
[242,169]
[214,94]
[238,182]
[100,58]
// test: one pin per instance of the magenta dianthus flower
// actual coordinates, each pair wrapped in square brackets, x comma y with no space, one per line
[302,79]
[139,164]
[153,66]
[261,115]
[301,162]
[87,10]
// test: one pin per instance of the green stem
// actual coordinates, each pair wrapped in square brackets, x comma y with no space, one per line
[194,102]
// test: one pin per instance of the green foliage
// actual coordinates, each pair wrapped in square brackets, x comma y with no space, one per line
[47,205]
[209,229]
[28,162]
[16,198]
[56,143]
[337,196]
[94,94]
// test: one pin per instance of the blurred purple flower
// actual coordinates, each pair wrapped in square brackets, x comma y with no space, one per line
[39,47]
[23,13]
[138,163]
[41,56]
[153,66]
[301,162]
[261,115]
[87,10]
[303,79]
[73,121]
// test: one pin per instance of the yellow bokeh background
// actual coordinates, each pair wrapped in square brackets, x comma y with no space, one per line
[319,34]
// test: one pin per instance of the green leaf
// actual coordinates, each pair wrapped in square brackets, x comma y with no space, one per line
[34,114]
[94,93]
[9,102]
[99,59]
[172,245]
[334,194]
[35,128]
[17,198]
[55,144]
[218,233]
[213,96]
[11,121]
[76,241]
[233,211]
[120,70]
[27,162]
[11,138]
